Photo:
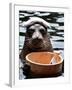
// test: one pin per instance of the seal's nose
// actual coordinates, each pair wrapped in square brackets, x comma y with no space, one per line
[36,41]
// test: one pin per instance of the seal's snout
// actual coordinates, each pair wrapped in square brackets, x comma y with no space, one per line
[37,34]
[36,41]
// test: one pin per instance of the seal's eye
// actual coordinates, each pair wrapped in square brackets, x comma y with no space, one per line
[30,32]
[43,32]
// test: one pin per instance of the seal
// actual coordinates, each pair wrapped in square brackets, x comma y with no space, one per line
[37,38]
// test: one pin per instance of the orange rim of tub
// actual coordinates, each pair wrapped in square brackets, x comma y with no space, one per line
[43,58]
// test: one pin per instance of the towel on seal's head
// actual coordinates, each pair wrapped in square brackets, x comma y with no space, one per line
[33,20]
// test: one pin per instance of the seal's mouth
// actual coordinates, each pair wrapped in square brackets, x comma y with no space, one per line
[36,48]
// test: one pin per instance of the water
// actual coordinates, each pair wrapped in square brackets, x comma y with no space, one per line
[56,20]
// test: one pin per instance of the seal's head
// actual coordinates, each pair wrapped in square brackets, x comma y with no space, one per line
[36,32]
